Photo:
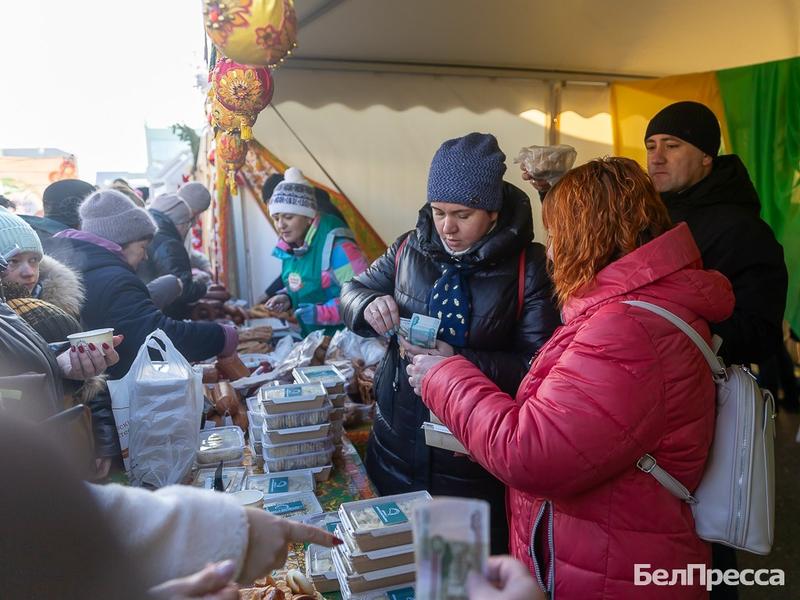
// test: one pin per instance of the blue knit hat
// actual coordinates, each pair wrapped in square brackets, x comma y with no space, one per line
[468,170]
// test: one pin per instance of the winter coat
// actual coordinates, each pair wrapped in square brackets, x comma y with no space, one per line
[116,297]
[722,211]
[27,366]
[615,382]
[166,255]
[60,285]
[501,346]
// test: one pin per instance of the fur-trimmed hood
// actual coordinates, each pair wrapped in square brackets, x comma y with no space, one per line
[62,286]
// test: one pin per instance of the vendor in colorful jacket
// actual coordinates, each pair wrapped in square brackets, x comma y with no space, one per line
[471,260]
[614,383]
[319,254]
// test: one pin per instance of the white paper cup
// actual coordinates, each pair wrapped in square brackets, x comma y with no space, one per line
[249,498]
[98,337]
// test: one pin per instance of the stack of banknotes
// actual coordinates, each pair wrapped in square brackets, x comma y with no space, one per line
[420,330]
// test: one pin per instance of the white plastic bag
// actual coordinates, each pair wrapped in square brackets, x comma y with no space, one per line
[165,400]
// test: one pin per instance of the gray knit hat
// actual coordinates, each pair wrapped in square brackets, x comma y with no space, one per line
[113,216]
[16,233]
[196,195]
[468,170]
[293,195]
[174,207]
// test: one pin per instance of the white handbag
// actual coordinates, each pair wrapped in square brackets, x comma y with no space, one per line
[735,501]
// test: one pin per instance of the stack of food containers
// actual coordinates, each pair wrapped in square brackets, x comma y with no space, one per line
[334,382]
[319,562]
[378,554]
[295,433]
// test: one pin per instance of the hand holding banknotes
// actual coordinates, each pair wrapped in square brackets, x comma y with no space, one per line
[419,368]
[383,315]
[508,579]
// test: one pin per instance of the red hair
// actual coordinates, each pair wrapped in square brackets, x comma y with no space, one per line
[596,214]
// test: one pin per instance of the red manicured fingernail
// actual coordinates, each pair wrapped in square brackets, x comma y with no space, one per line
[105,346]
[337,541]
[92,347]
[80,349]
[72,349]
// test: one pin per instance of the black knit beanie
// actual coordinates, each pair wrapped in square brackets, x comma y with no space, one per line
[61,200]
[690,121]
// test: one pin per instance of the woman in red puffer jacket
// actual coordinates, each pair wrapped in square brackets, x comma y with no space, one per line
[613,383]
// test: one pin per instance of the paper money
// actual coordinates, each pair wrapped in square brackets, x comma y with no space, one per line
[451,538]
[420,330]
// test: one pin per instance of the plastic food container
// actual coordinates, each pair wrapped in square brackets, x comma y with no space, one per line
[296,434]
[255,451]
[299,461]
[256,419]
[383,522]
[271,451]
[351,582]
[406,592]
[220,444]
[300,418]
[439,436]
[232,478]
[280,399]
[271,484]
[322,473]
[327,521]
[320,569]
[297,506]
[374,560]
[255,433]
[331,377]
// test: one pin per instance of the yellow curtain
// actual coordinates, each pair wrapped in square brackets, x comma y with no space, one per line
[634,103]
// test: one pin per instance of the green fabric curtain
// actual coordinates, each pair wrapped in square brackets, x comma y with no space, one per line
[762,108]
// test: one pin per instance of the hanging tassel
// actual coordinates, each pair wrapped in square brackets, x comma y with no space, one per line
[234,189]
[245,130]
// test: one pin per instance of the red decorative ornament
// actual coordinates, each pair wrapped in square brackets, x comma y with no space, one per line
[244,91]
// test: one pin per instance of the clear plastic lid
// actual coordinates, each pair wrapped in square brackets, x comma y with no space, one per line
[220,444]
[297,506]
[232,478]
[391,513]
[328,375]
[271,483]
[281,394]
[327,521]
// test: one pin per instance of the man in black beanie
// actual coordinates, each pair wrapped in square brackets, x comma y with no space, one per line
[61,200]
[715,197]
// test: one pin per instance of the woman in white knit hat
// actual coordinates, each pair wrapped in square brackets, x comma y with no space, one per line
[319,254]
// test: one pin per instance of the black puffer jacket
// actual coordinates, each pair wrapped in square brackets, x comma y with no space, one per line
[398,459]
[167,255]
[722,211]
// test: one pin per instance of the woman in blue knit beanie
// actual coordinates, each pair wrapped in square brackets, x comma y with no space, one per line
[471,263]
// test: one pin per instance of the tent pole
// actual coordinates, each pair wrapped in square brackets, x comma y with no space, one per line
[554,112]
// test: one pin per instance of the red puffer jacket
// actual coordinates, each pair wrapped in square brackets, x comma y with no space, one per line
[613,383]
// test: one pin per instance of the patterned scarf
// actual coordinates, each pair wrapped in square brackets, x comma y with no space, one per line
[450,302]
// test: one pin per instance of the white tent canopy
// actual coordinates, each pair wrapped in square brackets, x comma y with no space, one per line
[375,86]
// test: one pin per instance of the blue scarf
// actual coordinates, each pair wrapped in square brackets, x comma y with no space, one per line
[450,302]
